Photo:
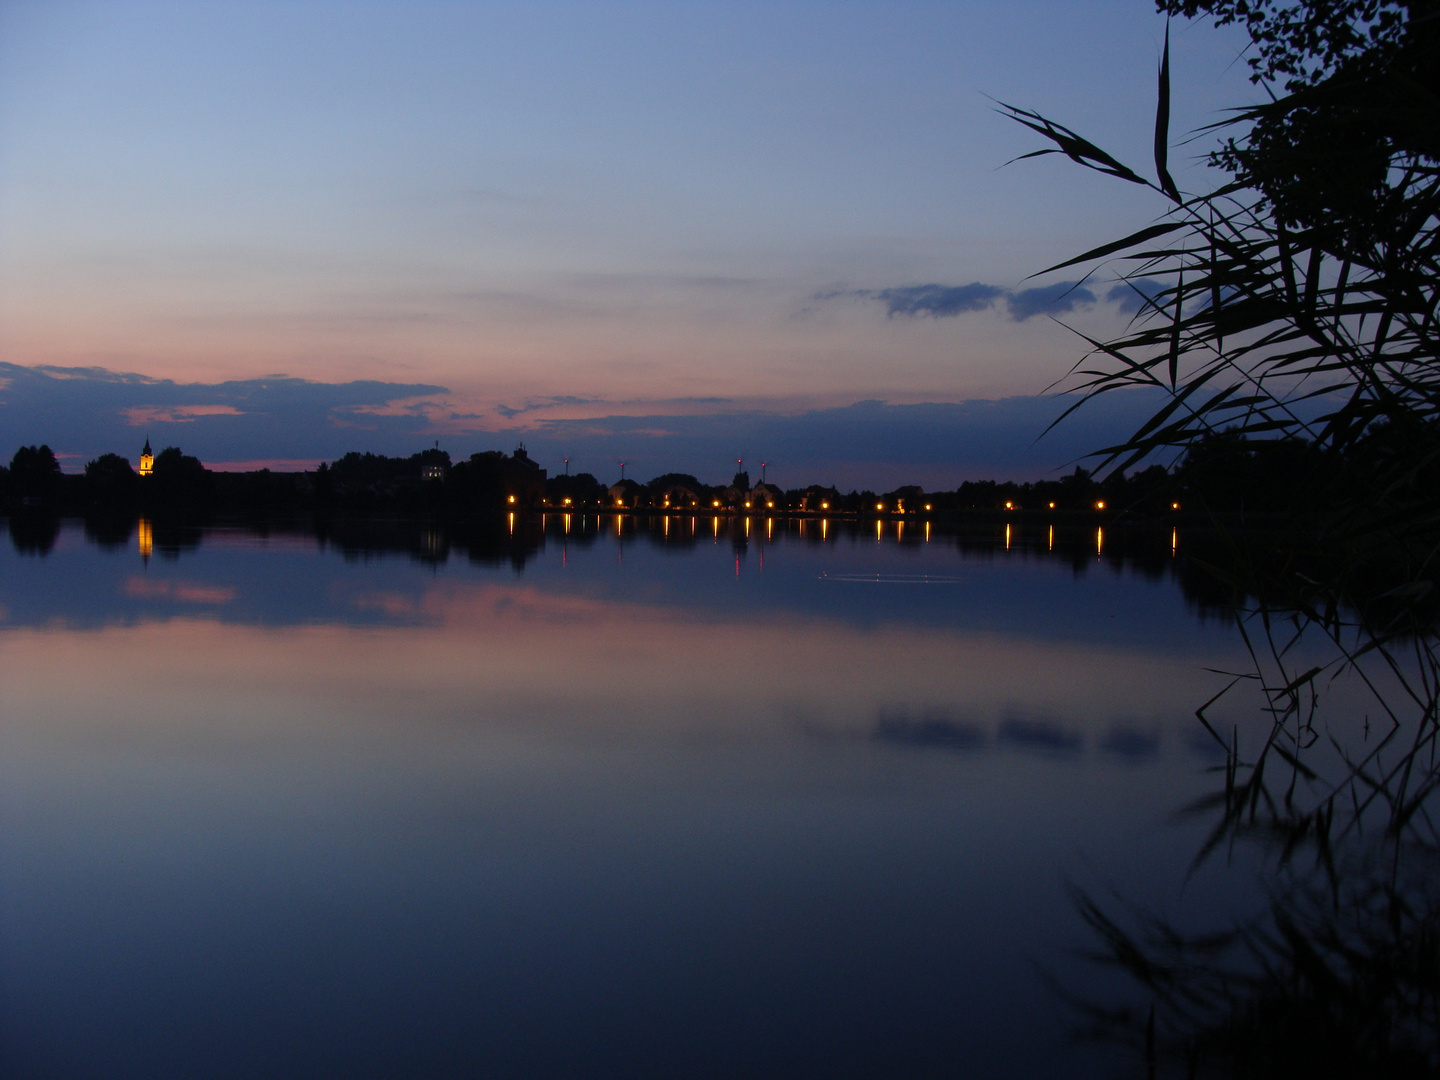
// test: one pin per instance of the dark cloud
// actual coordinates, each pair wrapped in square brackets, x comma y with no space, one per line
[869,444]
[1131,295]
[1048,300]
[939,301]
[89,411]
[947,301]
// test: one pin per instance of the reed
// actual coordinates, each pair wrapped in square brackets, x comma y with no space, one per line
[1296,300]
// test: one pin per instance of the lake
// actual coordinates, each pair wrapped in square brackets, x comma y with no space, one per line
[683,797]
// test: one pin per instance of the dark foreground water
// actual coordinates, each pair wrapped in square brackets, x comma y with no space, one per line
[697,798]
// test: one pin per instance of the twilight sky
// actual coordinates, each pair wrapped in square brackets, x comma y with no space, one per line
[278,231]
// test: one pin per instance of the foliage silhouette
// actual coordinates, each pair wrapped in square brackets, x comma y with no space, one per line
[1295,334]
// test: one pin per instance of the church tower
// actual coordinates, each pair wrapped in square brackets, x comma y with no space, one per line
[147,460]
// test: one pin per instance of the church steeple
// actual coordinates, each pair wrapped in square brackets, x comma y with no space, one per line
[147,459]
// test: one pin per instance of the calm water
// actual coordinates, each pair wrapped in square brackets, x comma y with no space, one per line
[643,800]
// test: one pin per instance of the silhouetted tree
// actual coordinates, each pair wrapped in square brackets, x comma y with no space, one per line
[582,489]
[109,479]
[34,474]
[178,480]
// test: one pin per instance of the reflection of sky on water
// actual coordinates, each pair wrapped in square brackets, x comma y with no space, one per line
[619,813]
[290,579]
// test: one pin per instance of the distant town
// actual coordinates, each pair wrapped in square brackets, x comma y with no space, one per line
[1223,474]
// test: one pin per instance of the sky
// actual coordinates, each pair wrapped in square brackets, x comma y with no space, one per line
[675,233]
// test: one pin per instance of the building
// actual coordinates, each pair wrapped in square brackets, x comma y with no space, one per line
[625,493]
[820,499]
[147,460]
[524,480]
[677,497]
[765,496]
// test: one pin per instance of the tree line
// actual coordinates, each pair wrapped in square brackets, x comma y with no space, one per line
[1222,473]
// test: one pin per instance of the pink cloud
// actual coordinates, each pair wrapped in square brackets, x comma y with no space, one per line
[175,414]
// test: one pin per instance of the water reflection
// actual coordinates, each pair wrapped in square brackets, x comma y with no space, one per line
[33,534]
[386,797]
[523,543]
[926,732]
